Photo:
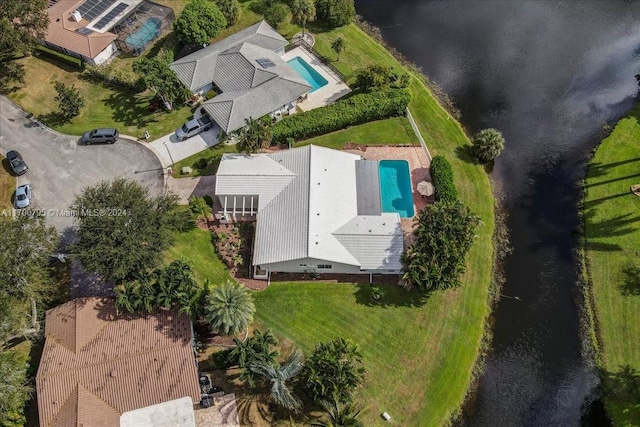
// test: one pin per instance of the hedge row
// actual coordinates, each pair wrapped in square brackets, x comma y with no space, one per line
[442,176]
[59,56]
[113,77]
[352,111]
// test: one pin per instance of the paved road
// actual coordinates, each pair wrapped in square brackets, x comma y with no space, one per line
[59,169]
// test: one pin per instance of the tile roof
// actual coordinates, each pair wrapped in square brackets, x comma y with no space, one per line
[97,364]
[62,31]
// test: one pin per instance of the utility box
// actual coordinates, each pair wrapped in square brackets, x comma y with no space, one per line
[385,416]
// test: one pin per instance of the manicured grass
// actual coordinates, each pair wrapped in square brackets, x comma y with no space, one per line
[196,248]
[211,154]
[396,130]
[104,107]
[612,225]
[7,186]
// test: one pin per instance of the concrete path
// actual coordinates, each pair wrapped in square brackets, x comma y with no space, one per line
[169,150]
[197,186]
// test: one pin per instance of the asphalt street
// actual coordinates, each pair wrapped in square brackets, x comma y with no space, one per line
[59,169]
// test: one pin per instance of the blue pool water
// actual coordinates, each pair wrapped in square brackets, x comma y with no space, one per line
[307,72]
[144,34]
[395,187]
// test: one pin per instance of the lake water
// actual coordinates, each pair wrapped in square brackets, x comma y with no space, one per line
[549,75]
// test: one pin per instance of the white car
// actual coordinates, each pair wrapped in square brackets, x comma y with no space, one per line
[23,196]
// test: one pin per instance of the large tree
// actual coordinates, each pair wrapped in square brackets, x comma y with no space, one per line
[276,14]
[159,78]
[444,234]
[303,11]
[253,136]
[335,13]
[123,231]
[199,22]
[230,9]
[15,389]
[25,280]
[334,370]
[69,100]
[229,308]
[22,23]
[278,376]
[338,46]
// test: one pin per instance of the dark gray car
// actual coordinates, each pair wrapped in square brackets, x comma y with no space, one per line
[100,136]
[18,165]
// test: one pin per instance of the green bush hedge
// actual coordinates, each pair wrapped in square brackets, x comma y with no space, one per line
[59,56]
[352,111]
[442,176]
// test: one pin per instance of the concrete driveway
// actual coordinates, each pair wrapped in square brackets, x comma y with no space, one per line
[170,150]
[59,169]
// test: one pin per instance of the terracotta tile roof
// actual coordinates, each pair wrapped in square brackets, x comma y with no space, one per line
[97,365]
[62,31]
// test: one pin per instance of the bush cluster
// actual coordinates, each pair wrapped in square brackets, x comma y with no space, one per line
[115,78]
[59,56]
[352,111]
[442,176]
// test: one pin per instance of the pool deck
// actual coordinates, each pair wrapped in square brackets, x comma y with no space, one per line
[333,90]
[418,168]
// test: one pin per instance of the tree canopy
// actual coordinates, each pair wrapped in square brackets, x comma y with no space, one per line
[276,14]
[338,46]
[253,136]
[255,350]
[335,13]
[230,9]
[122,230]
[445,233]
[303,11]
[199,22]
[487,144]
[278,375]
[15,389]
[22,23]
[158,77]
[69,100]
[229,308]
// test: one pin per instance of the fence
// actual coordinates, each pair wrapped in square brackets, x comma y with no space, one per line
[417,132]
[299,41]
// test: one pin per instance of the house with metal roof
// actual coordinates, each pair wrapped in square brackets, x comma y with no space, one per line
[247,71]
[103,368]
[317,210]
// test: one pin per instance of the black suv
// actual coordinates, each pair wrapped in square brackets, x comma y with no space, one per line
[18,165]
[100,136]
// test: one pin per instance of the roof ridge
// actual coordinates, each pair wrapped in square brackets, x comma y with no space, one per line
[311,148]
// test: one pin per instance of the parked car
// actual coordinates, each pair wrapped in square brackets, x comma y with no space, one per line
[18,165]
[193,127]
[100,136]
[23,196]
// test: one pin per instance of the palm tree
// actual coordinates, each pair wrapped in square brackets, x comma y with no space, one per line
[253,351]
[338,46]
[229,308]
[487,144]
[278,375]
[341,414]
[200,208]
[254,136]
[303,11]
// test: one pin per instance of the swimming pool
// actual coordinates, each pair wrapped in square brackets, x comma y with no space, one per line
[395,187]
[144,34]
[307,72]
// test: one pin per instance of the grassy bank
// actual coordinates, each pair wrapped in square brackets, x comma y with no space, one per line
[612,242]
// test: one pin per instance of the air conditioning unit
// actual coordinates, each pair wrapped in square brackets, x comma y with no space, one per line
[76,16]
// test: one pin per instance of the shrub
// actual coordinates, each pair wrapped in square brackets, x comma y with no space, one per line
[211,94]
[487,145]
[230,9]
[59,56]
[335,13]
[69,100]
[352,111]
[276,14]
[442,176]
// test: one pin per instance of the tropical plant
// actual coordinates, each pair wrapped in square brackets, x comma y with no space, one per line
[340,414]
[253,351]
[444,234]
[276,14]
[278,375]
[487,145]
[338,46]
[335,13]
[199,22]
[373,77]
[200,207]
[377,293]
[231,11]
[69,100]
[303,11]
[253,136]
[334,370]
[229,308]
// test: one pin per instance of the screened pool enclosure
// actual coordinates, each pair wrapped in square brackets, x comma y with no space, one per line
[145,24]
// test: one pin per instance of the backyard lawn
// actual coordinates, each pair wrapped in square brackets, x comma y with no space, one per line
[612,225]
[7,185]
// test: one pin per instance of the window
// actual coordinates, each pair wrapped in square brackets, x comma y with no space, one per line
[303,265]
[325,266]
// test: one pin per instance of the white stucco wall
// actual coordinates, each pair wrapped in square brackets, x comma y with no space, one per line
[310,265]
[103,56]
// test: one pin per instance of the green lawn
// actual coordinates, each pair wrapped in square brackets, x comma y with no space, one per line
[196,248]
[212,155]
[612,225]
[396,130]
[7,185]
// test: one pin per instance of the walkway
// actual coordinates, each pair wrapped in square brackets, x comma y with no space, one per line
[169,150]
[198,186]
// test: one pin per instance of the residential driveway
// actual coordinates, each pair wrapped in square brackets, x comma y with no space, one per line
[59,169]
[170,150]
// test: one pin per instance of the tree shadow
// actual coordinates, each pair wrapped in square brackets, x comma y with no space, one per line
[597,169]
[630,280]
[591,203]
[616,226]
[465,154]
[622,388]
[609,181]
[130,110]
[394,296]
[54,119]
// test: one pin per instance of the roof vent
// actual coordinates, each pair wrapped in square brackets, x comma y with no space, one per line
[113,373]
[76,16]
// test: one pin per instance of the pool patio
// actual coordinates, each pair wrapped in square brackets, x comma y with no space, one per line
[325,95]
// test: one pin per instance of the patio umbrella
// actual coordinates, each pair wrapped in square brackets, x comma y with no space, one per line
[425,188]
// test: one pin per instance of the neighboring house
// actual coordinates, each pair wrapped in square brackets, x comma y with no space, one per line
[317,210]
[248,72]
[94,30]
[100,368]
